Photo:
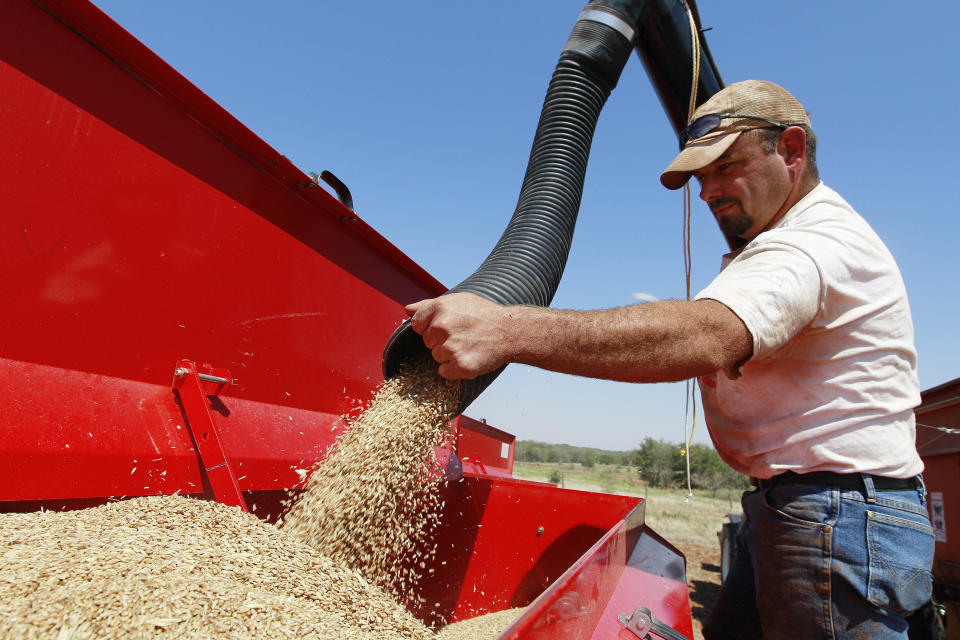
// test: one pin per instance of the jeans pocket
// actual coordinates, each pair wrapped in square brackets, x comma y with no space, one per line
[798,504]
[900,554]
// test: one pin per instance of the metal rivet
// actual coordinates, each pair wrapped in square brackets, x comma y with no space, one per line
[540,531]
[827,528]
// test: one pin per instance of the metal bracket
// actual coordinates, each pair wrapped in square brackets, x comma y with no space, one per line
[193,386]
[642,623]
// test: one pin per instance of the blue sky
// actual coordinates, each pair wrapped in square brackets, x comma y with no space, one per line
[427,113]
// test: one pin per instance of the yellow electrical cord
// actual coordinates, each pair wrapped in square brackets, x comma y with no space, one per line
[690,392]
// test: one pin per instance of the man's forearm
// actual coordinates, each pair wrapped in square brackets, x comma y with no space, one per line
[654,342]
[659,341]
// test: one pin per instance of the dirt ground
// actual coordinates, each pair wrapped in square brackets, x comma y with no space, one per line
[703,578]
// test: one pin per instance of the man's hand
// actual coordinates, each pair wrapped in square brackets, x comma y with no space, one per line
[465,333]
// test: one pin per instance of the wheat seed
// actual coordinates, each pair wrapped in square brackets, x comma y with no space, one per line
[174,567]
[374,502]
[485,627]
[351,547]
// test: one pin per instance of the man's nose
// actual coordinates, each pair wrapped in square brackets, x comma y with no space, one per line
[708,189]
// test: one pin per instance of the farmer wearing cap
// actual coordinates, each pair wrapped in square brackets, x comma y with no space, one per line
[803,347]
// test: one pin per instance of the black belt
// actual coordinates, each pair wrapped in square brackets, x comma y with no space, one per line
[840,480]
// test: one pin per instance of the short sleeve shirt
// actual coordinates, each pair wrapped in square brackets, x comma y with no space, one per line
[831,383]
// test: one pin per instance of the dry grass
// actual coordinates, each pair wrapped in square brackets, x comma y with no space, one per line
[686,520]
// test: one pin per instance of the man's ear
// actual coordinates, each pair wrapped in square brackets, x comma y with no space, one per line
[792,147]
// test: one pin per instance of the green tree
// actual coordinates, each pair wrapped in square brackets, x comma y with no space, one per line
[656,460]
[708,470]
[533,452]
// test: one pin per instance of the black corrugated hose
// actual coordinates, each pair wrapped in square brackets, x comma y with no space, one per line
[526,264]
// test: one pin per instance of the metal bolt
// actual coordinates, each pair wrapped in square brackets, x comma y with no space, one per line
[182,371]
[209,378]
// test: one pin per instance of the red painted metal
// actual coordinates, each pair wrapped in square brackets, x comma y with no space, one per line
[940,450]
[938,443]
[629,566]
[484,449]
[146,223]
[83,435]
[141,223]
[503,541]
[195,387]
[575,559]
[188,237]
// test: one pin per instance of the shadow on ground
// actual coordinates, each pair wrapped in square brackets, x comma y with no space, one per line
[704,582]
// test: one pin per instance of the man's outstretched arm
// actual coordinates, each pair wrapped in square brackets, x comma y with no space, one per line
[654,342]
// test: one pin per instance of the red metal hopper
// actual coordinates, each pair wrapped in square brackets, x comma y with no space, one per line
[186,311]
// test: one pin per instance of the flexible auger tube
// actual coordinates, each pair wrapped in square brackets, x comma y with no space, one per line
[663,44]
[527,262]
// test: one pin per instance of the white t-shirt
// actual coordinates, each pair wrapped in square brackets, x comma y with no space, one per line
[832,381]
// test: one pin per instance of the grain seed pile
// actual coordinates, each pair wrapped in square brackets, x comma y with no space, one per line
[173,567]
[485,627]
[373,504]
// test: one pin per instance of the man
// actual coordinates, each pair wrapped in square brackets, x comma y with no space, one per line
[803,346]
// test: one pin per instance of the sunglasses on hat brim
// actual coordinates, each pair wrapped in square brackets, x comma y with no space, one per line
[709,122]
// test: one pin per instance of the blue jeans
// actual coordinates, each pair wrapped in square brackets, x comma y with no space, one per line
[821,562]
